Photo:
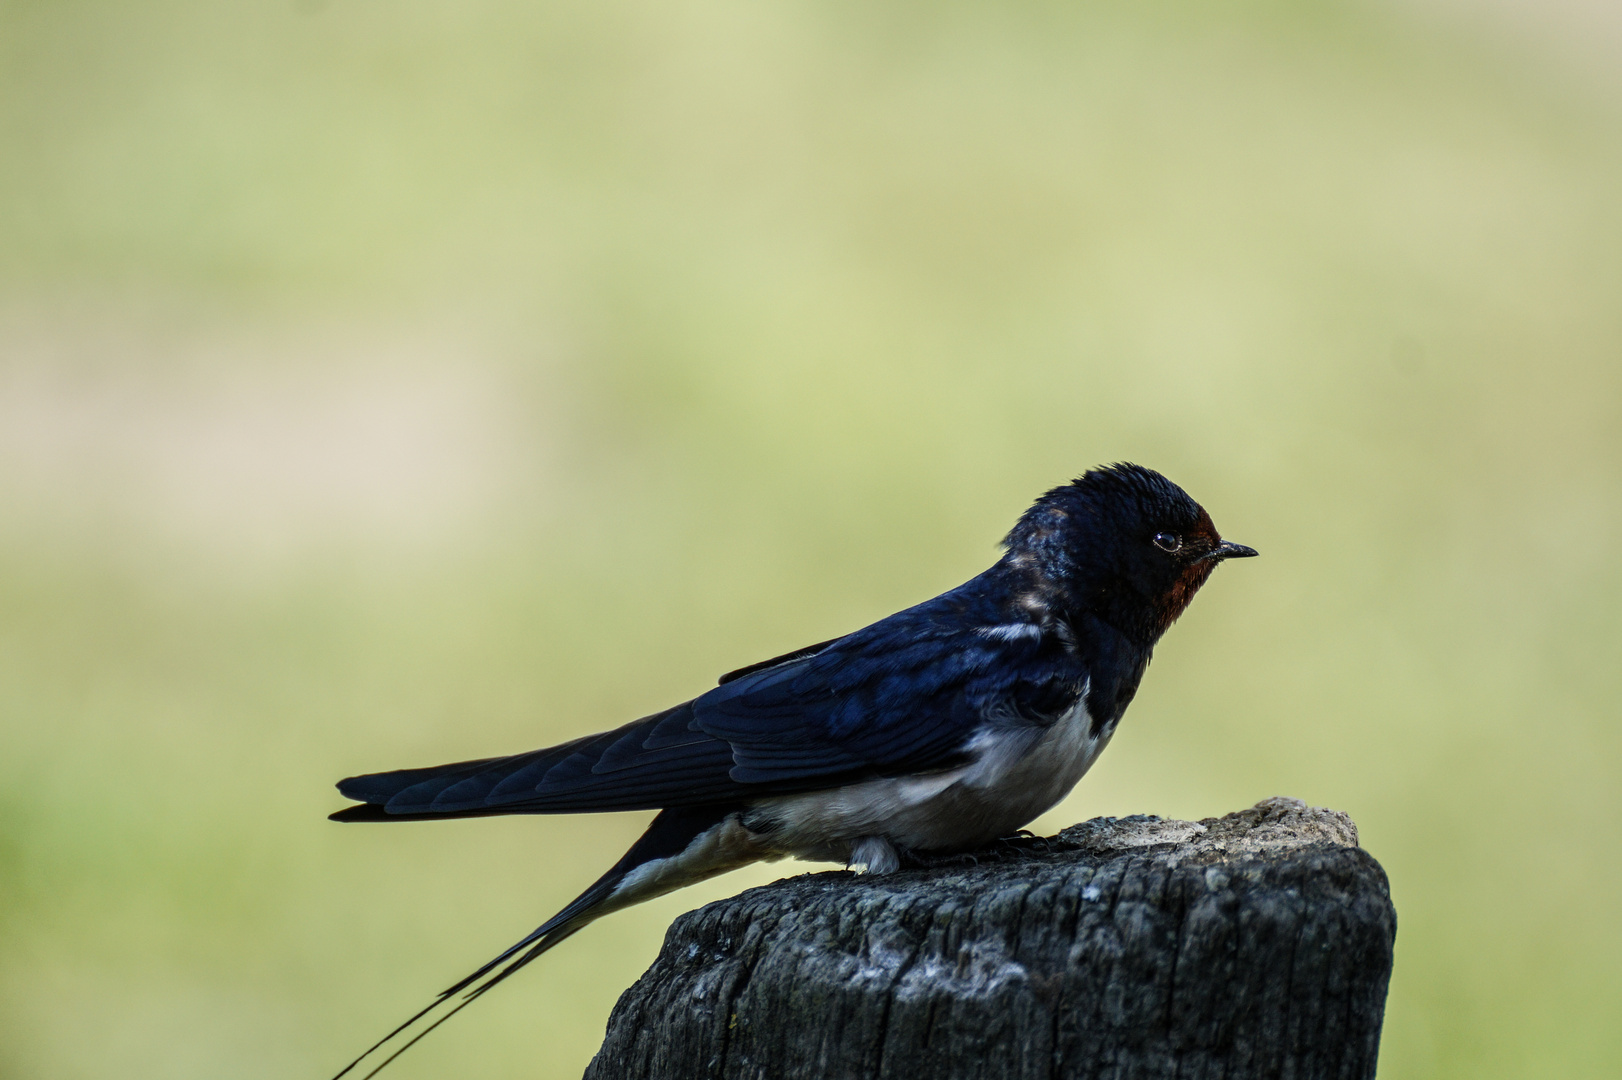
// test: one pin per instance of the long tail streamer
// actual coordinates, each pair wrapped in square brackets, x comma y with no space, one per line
[548,934]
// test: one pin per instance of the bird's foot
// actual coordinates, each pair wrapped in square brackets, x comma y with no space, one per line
[1025,842]
[933,860]
[1022,844]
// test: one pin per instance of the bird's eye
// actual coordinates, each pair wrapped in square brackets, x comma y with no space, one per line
[1167,542]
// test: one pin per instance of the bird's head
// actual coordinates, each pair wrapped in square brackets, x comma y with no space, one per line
[1123,543]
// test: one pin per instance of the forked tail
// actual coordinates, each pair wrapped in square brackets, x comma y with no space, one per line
[670,835]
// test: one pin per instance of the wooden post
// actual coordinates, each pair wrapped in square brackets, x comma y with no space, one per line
[1252,945]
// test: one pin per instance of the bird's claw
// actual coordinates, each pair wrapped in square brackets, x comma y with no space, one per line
[1019,845]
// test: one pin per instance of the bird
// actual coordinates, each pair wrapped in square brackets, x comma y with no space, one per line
[933,731]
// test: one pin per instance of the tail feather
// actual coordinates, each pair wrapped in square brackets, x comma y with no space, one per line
[659,761]
[381,787]
[669,835]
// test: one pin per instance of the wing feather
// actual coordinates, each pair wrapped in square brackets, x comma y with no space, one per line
[904,695]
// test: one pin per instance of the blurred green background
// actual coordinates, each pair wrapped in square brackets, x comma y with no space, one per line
[383,384]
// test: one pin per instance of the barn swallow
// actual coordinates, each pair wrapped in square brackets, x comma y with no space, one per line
[936,730]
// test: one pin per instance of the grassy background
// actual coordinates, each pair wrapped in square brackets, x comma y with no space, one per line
[383,384]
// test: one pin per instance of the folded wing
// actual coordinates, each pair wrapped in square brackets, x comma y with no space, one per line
[904,695]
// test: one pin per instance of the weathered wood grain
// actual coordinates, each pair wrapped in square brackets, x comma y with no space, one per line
[1253,945]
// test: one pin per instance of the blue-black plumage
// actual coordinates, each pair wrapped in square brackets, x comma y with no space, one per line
[935,730]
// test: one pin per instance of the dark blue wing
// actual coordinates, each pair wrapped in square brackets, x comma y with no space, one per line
[903,695]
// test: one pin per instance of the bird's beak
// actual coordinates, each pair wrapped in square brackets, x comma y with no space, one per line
[1230,550]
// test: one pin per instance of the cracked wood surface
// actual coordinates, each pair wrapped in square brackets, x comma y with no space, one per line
[1253,945]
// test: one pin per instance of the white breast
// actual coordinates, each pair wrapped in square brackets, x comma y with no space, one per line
[1019,780]
[1018,771]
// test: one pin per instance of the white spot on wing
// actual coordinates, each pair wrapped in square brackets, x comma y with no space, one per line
[1010,631]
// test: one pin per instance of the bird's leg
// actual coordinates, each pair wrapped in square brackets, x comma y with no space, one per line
[875,854]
